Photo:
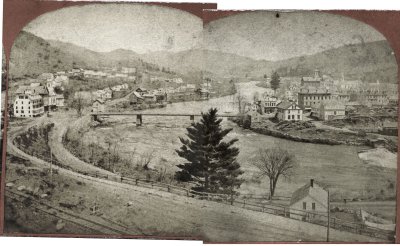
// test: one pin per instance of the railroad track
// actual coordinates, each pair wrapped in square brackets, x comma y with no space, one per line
[92,225]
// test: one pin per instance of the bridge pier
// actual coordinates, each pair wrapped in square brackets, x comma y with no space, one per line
[139,120]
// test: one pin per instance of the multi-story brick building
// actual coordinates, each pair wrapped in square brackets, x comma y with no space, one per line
[312,97]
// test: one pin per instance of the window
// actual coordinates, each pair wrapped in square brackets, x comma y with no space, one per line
[288,117]
[313,206]
[334,112]
[298,117]
[304,205]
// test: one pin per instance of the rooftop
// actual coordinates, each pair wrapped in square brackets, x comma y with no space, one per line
[315,191]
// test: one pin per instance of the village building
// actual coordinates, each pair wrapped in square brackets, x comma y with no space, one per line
[289,111]
[128,70]
[190,87]
[203,93]
[141,91]
[376,98]
[312,97]
[149,98]
[289,95]
[312,81]
[341,96]
[177,80]
[98,106]
[255,116]
[332,109]
[135,98]
[28,105]
[268,104]
[309,202]
[161,97]
[60,100]
[49,98]
[108,93]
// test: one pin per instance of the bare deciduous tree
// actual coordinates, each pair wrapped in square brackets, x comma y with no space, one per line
[241,102]
[146,158]
[274,162]
[78,104]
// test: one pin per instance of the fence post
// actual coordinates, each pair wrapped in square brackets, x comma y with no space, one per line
[284,211]
[187,192]
[152,184]
[168,188]
[122,179]
[95,174]
[244,202]
[136,181]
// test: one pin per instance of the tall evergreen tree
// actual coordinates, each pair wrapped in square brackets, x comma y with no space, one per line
[275,81]
[211,163]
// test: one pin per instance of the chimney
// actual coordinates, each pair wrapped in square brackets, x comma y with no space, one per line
[312,182]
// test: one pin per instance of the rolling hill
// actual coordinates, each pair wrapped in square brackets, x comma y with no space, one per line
[367,61]
[32,55]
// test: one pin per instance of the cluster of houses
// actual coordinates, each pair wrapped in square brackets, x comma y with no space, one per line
[125,73]
[142,98]
[111,92]
[323,97]
[38,97]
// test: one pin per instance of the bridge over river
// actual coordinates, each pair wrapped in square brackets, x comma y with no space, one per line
[139,115]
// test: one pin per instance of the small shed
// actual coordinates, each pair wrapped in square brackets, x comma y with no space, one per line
[98,106]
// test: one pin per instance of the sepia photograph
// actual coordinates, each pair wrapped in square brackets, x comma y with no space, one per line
[145,121]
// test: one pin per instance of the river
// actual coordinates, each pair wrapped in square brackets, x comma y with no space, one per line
[339,167]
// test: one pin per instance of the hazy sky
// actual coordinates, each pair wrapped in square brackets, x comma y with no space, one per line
[146,28]
[105,27]
[261,35]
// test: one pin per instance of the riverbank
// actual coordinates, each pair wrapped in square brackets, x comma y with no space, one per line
[307,132]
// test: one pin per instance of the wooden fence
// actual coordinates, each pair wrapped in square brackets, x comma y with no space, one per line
[246,203]
[310,217]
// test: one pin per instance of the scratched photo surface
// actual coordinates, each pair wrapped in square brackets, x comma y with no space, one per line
[130,119]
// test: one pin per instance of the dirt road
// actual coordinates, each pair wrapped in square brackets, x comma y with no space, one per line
[158,213]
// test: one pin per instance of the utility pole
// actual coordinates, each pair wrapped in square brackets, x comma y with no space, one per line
[329,219]
[51,166]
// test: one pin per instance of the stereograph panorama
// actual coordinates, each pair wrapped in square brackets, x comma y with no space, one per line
[133,119]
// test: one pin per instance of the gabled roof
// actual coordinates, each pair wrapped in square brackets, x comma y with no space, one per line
[99,100]
[140,89]
[286,104]
[318,193]
[137,95]
[41,90]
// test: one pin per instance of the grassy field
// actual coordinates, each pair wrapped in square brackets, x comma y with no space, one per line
[339,167]
[152,213]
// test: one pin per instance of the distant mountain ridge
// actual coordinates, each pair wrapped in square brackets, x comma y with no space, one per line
[368,61]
